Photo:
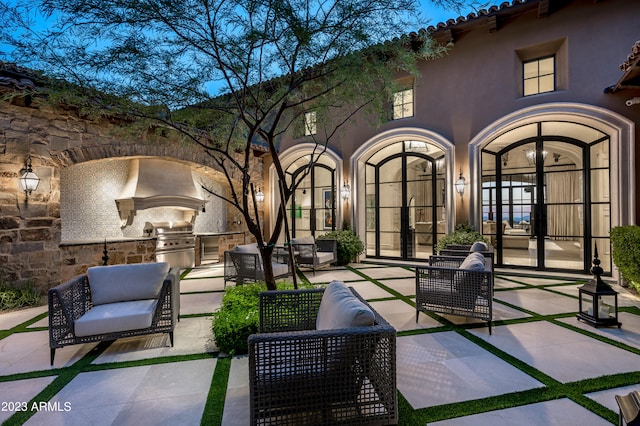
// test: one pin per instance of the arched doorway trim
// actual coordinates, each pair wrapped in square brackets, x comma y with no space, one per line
[289,156]
[620,129]
[379,141]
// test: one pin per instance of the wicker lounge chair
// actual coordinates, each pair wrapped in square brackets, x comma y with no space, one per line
[314,253]
[112,302]
[243,264]
[463,250]
[299,374]
[451,286]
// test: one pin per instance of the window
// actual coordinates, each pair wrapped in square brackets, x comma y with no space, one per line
[310,124]
[539,76]
[403,104]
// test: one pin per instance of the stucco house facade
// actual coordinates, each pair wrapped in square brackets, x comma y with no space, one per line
[534,105]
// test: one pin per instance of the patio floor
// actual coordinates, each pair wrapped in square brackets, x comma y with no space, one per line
[564,371]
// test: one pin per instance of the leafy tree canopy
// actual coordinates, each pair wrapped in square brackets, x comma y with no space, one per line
[224,74]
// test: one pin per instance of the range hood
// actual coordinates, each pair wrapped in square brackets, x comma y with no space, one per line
[158,183]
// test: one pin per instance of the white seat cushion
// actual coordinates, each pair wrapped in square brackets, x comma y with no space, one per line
[116,317]
[339,308]
[324,257]
[280,269]
[122,283]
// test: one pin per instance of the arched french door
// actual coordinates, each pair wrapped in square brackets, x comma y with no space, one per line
[312,207]
[405,200]
[546,196]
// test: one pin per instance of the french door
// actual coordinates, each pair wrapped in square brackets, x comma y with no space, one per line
[546,200]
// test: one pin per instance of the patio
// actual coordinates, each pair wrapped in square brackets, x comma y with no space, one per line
[539,367]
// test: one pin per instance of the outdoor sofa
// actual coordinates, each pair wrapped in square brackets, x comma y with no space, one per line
[243,264]
[456,285]
[111,302]
[322,356]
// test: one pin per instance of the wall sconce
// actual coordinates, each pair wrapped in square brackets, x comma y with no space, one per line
[505,159]
[460,183]
[345,191]
[259,196]
[29,180]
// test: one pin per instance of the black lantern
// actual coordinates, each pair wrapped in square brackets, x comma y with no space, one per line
[597,300]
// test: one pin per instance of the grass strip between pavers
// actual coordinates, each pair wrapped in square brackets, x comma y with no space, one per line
[214,406]
[551,390]
[64,377]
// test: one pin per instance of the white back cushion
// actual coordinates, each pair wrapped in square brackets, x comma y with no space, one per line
[247,248]
[339,308]
[308,239]
[479,246]
[473,262]
[121,283]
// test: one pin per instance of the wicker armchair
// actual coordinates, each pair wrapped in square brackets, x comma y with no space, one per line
[314,253]
[243,264]
[447,287]
[300,375]
[72,302]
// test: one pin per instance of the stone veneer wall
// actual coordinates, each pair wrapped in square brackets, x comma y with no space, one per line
[30,232]
[77,258]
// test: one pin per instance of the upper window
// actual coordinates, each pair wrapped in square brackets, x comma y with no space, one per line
[539,76]
[310,124]
[403,104]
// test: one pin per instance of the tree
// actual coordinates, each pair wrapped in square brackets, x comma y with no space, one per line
[274,60]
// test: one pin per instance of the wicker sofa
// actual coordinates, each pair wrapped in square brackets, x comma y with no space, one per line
[456,285]
[323,356]
[243,264]
[111,302]
[314,253]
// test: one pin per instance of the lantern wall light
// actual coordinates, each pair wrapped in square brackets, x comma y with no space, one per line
[28,180]
[460,183]
[345,191]
[259,196]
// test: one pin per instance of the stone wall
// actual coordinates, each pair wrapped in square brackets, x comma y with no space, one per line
[77,258]
[30,230]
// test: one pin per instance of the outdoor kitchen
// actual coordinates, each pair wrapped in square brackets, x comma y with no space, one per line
[157,208]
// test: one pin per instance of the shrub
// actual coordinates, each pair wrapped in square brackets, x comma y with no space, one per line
[463,234]
[238,316]
[13,297]
[349,244]
[625,246]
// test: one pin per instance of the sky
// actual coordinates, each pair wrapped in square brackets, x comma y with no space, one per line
[436,14]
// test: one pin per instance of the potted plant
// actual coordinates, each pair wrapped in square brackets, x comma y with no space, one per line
[463,234]
[349,244]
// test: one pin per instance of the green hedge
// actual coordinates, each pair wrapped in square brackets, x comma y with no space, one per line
[238,316]
[625,245]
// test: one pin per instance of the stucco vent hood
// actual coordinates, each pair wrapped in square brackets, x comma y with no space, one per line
[158,183]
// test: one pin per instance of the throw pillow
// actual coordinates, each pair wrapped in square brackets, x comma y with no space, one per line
[473,262]
[479,246]
[340,308]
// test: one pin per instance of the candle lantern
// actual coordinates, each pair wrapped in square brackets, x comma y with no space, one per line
[598,302]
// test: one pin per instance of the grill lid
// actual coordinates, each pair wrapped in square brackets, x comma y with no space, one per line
[157,229]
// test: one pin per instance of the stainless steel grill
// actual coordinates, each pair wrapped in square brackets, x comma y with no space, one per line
[175,242]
